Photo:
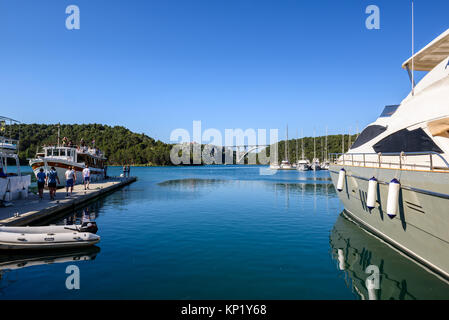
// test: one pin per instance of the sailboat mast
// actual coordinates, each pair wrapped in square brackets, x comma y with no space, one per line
[297,145]
[302,143]
[286,146]
[314,144]
[325,150]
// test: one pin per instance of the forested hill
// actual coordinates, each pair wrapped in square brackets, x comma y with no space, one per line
[120,145]
[123,146]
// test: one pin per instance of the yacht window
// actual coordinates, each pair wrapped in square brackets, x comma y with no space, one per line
[389,111]
[368,134]
[62,152]
[69,153]
[407,141]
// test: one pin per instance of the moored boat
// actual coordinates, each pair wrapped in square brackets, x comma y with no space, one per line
[63,157]
[13,185]
[48,237]
[394,180]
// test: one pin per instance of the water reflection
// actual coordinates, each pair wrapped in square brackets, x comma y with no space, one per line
[192,184]
[354,250]
[10,262]
[78,215]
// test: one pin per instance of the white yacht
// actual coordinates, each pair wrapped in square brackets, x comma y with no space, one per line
[13,185]
[303,164]
[316,165]
[285,164]
[394,180]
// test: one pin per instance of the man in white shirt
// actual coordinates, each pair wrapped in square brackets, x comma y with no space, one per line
[86,177]
[70,178]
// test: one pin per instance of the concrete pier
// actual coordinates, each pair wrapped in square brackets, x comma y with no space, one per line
[24,212]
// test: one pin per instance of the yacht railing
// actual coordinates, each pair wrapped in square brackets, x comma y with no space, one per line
[386,160]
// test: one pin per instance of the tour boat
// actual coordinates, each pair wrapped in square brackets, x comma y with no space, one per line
[63,157]
[49,237]
[394,180]
[13,185]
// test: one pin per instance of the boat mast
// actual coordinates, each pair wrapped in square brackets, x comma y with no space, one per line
[314,144]
[325,150]
[302,143]
[286,146]
[297,145]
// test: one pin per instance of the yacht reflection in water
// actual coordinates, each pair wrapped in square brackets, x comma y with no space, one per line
[400,278]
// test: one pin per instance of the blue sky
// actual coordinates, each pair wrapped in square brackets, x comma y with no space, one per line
[154,66]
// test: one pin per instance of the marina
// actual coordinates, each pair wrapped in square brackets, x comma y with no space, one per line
[145,154]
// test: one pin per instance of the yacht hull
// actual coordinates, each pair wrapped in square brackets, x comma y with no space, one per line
[61,167]
[421,228]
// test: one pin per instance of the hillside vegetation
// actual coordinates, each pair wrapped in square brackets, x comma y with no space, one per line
[120,145]
[123,146]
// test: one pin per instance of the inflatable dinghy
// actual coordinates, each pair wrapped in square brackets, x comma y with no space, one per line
[50,237]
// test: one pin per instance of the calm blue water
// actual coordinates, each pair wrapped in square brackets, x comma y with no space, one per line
[221,232]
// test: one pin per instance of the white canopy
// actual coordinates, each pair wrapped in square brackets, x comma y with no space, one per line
[429,57]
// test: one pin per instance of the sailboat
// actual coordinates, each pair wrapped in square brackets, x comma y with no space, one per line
[285,164]
[303,164]
[326,163]
[315,162]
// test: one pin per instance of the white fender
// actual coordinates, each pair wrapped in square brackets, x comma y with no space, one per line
[341,180]
[393,198]
[372,193]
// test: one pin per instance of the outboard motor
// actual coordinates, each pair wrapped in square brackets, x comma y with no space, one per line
[89,226]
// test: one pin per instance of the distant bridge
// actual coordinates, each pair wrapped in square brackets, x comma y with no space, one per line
[244,150]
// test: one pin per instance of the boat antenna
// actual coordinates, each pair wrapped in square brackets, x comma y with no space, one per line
[413,48]
[59,129]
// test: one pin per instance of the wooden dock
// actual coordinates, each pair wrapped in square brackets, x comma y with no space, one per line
[25,212]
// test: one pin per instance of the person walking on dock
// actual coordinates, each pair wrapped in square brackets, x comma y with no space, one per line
[52,177]
[41,177]
[124,171]
[70,178]
[86,177]
[128,170]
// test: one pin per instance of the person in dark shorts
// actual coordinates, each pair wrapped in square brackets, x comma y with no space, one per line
[52,177]
[41,177]
[70,178]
